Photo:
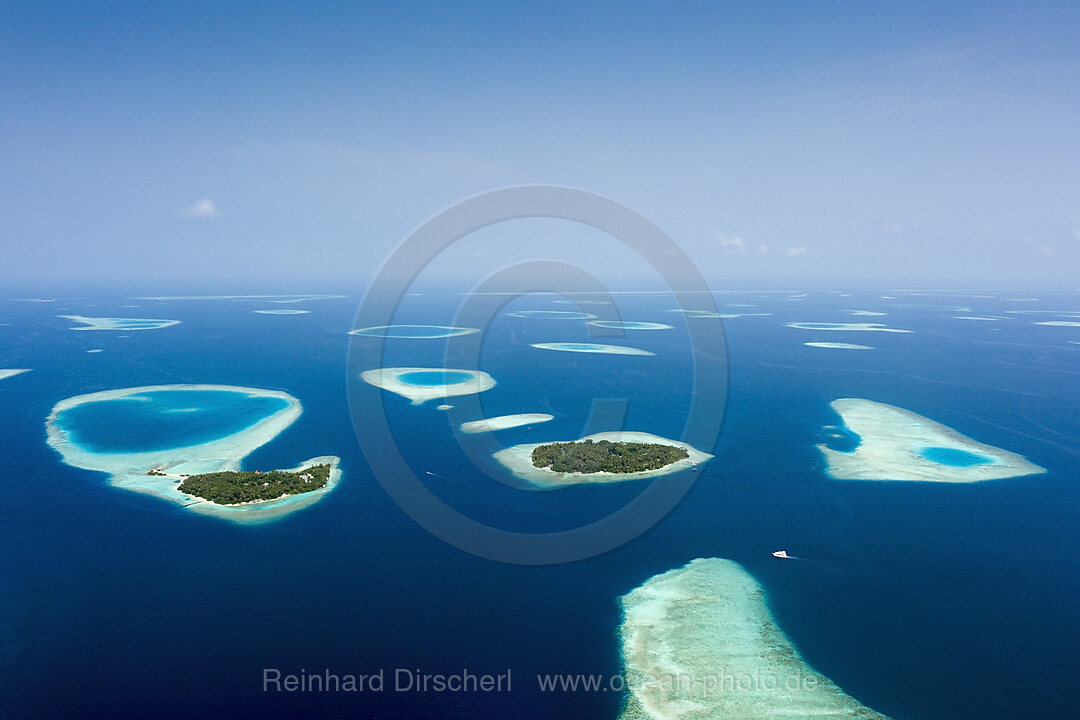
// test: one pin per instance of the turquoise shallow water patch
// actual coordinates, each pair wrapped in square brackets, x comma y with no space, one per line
[953,457]
[580,346]
[417,332]
[163,419]
[136,324]
[104,323]
[629,325]
[552,315]
[434,378]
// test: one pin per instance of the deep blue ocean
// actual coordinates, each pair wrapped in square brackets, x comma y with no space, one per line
[924,601]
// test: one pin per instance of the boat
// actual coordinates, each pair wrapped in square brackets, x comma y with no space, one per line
[781,554]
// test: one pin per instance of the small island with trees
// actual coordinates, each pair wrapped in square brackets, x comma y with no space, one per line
[234,487]
[587,456]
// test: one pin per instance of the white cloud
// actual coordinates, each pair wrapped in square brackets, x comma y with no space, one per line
[893,228]
[203,209]
[732,245]
[737,246]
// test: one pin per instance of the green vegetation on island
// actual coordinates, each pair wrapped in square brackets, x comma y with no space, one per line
[587,456]
[235,487]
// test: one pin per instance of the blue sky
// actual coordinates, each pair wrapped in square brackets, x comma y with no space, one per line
[786,144]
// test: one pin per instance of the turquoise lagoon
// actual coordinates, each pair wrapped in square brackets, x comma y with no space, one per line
[163,419]
[435,378]
[953,457]
[147,438]
[421,384]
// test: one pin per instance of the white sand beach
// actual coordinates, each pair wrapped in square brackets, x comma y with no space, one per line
[504,422]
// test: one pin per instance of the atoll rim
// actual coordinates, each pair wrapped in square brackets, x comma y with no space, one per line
[421,384]
[414,332]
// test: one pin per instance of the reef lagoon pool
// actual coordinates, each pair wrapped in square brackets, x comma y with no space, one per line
[954,457]
[163,419]
[435,378]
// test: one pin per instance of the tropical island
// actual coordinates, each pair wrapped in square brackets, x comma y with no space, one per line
[606,457]
[587,456]
[172,434]
[234,487]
